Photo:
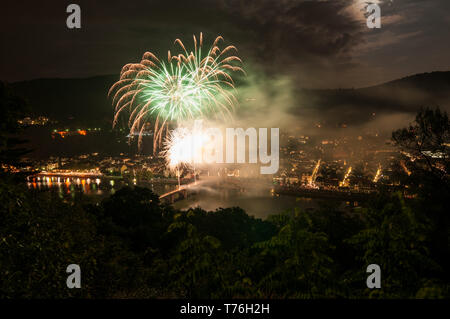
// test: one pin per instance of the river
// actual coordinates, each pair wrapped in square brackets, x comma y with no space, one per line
[259,201]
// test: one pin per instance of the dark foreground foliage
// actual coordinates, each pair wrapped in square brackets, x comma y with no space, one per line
[132,246]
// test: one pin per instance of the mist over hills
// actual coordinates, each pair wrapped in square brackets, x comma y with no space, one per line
[85,100]
[356,106]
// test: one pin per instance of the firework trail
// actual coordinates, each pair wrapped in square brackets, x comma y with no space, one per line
[188,86]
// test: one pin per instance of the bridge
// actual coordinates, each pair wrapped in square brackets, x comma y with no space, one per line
[175,195]
[242,184]
[326,194]
[183,191]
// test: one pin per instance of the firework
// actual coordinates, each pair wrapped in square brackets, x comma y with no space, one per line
[377,174]
[178,148]
[188,86]
[312,178]
[344,182]
[183,147]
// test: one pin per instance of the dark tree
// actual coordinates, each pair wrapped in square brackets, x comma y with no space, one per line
[426,143]
[12,109]
[425,147]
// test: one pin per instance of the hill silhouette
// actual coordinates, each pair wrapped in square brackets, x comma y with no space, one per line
[404,95]
[85,100]
[76,100]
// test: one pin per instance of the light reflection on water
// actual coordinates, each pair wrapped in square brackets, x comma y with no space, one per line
[260,202]
[96,188]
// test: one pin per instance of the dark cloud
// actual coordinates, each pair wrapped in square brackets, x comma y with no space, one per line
[317,43]
[413,39]
[301,37]
[298,27]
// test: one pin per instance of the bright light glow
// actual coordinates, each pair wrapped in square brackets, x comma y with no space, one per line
[184,147]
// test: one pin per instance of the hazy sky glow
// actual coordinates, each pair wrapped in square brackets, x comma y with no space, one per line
[318,43]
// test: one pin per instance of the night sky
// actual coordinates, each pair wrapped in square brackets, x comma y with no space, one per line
[319,44]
